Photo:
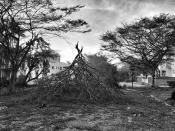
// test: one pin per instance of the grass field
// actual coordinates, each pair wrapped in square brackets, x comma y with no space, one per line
[136,111]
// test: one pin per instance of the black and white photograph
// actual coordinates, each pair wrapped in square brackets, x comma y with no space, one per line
[87,65]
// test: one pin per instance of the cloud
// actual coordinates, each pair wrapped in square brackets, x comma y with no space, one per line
[103,15]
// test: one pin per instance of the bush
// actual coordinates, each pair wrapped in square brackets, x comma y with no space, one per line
[173,95]
[4,91]
[20,81]
[4,83]
[107,71]
[171,83]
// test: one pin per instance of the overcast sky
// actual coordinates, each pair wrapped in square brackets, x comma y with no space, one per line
[103,15]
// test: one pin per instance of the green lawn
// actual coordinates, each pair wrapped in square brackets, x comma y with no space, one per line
[137,111]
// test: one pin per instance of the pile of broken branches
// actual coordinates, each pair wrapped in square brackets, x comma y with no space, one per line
[79,81]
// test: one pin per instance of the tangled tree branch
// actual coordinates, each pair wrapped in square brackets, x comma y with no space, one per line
[79,81]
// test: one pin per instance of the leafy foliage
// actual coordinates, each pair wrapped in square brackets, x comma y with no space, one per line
[171,83]
[106,70]
[123,73]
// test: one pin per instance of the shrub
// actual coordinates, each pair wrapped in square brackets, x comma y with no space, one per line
[107,71]
[173,95]
[20,81]
[4,83]
[171,83]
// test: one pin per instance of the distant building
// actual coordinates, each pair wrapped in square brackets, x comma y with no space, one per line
[165,73]
[167,70]
[55,65]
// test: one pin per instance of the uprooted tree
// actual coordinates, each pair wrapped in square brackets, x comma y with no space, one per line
[25,24]
[149,41]
[79,81]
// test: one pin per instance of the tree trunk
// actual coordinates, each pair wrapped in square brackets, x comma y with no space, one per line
[0,76]
[153,78]
[24,81]
[12,81]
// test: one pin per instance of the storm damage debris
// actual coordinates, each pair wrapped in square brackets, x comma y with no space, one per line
[79,81]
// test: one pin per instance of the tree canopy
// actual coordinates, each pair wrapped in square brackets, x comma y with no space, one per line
[147,42]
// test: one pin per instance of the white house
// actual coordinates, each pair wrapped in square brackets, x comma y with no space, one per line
[165,73]
[167,70]
[55,65]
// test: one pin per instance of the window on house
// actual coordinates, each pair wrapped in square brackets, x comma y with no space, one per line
[52,67]
[163,73]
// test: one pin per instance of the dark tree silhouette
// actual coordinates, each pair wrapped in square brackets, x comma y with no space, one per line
[106,70]
[150,41]
[25,23]
[4,65]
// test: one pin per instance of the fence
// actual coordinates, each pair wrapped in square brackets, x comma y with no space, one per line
[161,81]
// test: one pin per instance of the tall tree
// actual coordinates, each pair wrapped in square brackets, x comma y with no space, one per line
[149,41]
[25,23]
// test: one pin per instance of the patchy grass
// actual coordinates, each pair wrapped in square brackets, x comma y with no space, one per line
[136,111]
[162,93]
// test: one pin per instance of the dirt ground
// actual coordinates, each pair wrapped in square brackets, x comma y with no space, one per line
[142,109]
